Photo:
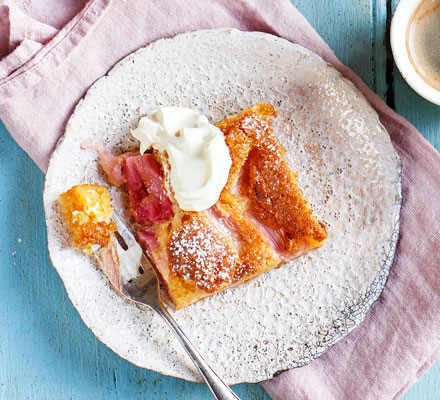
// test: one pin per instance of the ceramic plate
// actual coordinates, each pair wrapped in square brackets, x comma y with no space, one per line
[347,168]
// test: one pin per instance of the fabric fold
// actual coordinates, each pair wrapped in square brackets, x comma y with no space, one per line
[4,31]
[55,52]
[21,27]
[50,71]
[19,56]
[17,27]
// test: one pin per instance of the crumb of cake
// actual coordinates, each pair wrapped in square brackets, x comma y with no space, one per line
[87,211]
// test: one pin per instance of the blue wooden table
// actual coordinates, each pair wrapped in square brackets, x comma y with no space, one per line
[46,352]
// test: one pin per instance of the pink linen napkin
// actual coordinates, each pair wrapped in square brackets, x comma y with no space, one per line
[55,52]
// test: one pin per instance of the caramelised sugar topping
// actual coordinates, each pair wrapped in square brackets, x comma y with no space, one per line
[201,253]
[264,182]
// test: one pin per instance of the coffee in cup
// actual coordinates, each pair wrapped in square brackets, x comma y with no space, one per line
[423,41]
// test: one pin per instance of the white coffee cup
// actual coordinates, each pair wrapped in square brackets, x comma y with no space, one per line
[399,25]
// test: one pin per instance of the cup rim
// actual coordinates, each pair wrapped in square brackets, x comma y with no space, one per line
[401,17]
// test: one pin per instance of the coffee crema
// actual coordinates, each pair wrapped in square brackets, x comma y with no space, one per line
[423,41]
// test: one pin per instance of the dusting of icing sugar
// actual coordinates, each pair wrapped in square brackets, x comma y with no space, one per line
[254,125]
[201,253]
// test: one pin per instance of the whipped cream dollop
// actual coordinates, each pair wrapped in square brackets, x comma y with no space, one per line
[129,261]
[198,156]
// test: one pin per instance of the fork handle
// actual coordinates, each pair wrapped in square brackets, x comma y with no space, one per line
[219,389]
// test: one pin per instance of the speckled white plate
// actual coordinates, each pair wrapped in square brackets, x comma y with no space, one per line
[347,168]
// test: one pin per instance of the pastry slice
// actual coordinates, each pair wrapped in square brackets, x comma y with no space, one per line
[260,221]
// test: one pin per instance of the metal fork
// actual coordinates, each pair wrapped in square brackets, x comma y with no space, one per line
[145,290]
